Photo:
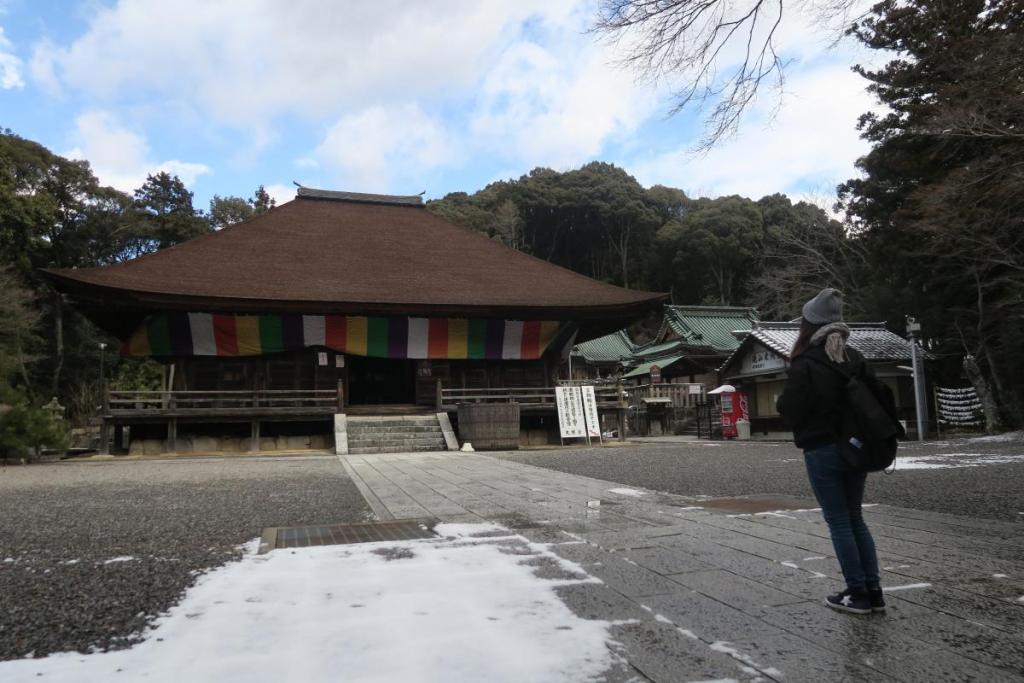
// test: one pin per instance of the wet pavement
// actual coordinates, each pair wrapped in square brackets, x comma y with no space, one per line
[972,476]
[704,588]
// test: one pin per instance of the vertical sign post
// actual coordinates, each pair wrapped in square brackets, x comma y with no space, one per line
[571,423]
[655,374]
[920,400]
[590,413]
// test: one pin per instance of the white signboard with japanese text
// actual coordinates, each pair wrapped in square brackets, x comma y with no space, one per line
[590,412]
[571,423]
[760,359]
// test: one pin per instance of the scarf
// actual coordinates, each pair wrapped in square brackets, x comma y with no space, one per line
[833,336]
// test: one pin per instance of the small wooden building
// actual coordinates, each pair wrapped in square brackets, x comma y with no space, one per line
[341,302]
[758,368]
[692,342]
[602,358]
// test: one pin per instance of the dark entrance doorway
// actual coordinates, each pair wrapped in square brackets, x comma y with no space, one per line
[376,381]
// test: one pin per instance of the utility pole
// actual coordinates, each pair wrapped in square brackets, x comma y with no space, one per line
[917,363]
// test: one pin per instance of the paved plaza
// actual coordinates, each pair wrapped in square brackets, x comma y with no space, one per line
[699,560]
[709,588]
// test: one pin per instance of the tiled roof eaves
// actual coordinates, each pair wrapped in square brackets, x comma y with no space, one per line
[873,340]
[614,347]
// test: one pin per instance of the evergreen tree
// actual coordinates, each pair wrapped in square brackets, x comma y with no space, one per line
[164,211]
[941,201]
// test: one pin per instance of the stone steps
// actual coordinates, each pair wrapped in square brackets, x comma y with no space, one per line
[395,441]
[356,428]
[394,434]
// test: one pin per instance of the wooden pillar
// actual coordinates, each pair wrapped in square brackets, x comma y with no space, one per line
[440,397]
[118,437]
[621,410]
[172,435]
[104,436]
[254,443]
[341,396]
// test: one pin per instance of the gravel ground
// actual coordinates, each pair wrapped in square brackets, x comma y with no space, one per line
[691,468]
[91,552]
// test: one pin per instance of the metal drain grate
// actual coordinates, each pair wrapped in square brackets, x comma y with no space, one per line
[343,534]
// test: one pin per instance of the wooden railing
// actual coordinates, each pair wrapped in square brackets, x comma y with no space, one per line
[252,402]
[680,395]
[530,397]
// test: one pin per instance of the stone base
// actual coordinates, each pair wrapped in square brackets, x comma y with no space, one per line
[212,444]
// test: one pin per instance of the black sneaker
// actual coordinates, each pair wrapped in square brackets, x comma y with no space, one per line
[847,601]
[877,600]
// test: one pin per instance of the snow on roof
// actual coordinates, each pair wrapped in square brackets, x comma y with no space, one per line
[873,340]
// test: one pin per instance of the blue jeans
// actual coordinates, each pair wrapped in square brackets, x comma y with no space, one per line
[840,493]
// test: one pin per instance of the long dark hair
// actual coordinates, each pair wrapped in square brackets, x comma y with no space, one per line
[803,339]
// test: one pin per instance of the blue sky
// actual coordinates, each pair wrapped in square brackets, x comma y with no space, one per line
[393,96]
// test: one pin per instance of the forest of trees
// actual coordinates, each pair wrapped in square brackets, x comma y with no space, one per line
[599,221]
[54,213]
[931,227]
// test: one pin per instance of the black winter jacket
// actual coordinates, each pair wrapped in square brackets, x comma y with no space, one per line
[812,398]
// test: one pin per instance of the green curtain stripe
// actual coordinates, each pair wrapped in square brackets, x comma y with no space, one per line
[159,335]
[270,334]
[477,346]
[377,337]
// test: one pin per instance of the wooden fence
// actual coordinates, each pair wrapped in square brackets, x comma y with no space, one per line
[527,397]
[141,404]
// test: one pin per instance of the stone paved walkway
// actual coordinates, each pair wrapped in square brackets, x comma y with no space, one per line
[709,594]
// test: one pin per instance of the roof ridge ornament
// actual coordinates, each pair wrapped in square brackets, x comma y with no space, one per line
[363,197]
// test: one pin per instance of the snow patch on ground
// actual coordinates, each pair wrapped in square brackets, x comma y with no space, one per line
[906,587]
[456,608]
[628,492]
[998,438]
[949,460]
[121,558]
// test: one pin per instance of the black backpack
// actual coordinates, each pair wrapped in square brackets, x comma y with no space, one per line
[868,428]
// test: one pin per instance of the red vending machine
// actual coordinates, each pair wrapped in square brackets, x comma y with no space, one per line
[733,406]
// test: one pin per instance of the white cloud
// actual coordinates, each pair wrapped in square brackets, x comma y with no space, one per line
[121,157]
[549,98]
[374,149]
[243,61]
[405,87]
[280,193]
[10,65]
[811,143]
[557,107]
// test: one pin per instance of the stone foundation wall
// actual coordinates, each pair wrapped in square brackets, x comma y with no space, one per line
[212,444]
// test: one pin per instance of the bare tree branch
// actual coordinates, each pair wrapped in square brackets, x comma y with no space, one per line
[692,41]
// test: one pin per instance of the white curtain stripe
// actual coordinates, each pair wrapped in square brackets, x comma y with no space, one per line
[419,330]
[204,343]
[313,330]
[512,348]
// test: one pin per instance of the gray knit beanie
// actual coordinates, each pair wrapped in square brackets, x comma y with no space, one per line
[826,307]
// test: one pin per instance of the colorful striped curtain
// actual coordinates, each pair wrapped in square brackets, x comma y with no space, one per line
[205,334]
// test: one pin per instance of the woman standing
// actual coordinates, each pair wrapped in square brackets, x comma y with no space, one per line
[812,404]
